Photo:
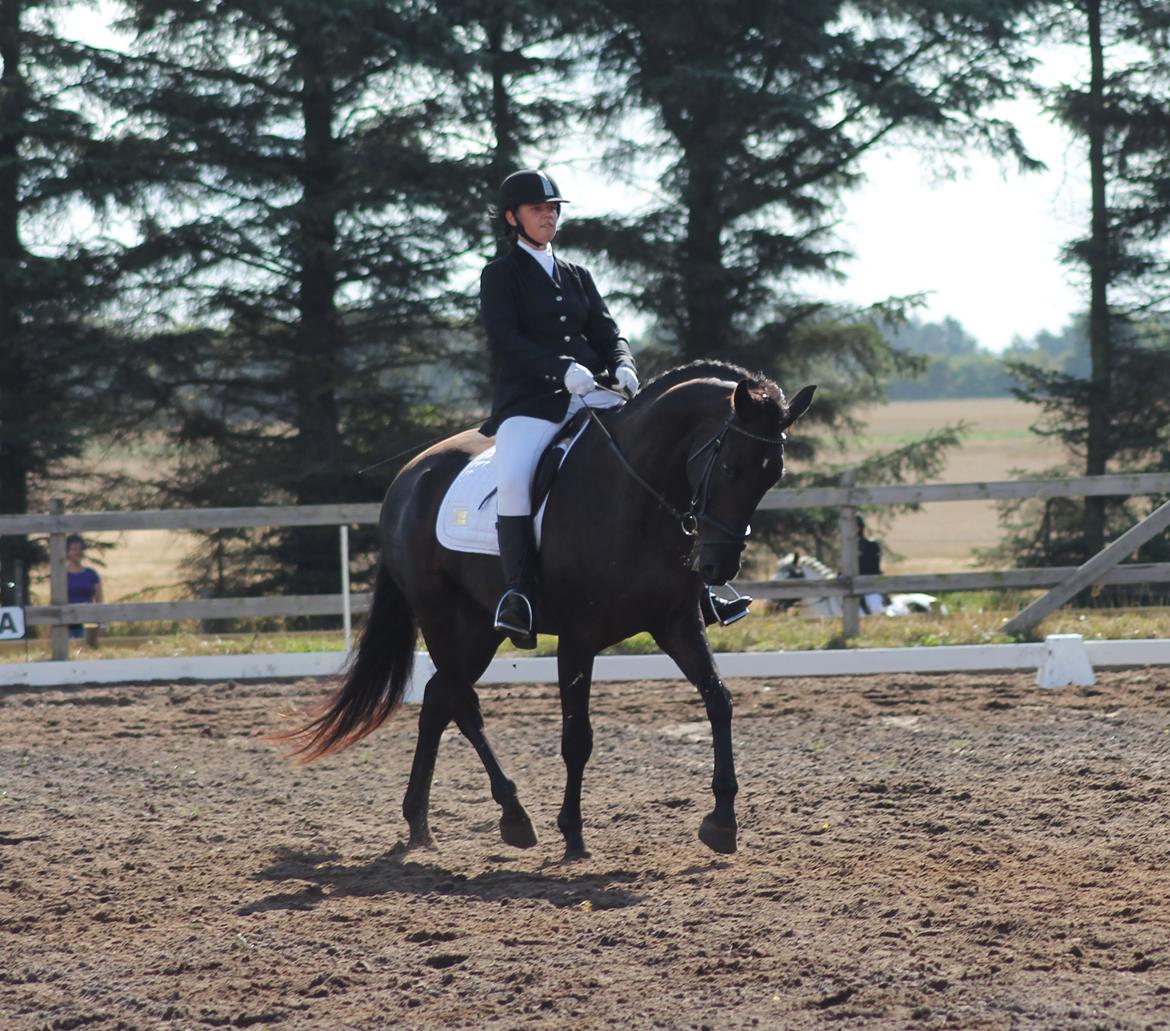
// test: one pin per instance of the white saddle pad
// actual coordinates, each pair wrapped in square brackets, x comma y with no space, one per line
[467,516]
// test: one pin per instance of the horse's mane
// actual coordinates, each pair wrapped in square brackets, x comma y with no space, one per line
[705,369]
[807,562]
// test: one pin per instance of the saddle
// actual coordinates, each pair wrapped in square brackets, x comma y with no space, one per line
[467,515]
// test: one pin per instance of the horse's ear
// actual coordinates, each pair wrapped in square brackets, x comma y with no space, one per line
[799,405]
[748,395]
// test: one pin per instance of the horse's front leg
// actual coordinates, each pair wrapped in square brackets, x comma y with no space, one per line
[685,641]
[575,673]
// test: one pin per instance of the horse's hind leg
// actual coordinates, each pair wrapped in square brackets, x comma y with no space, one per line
[453,665]
[432,721]
[515,826]
[461,649]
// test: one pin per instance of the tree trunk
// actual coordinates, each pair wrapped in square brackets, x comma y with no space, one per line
[1100,342]
[708,330]
[506,154]
[15,397]
[321,467]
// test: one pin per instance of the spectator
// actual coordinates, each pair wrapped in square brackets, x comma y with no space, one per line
[869,563]
[85,586]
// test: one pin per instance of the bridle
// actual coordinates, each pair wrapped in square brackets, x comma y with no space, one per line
[695,515]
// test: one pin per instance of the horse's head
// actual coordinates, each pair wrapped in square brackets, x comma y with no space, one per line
[735,456]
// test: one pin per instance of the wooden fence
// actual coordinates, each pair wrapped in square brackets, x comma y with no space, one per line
[847,498]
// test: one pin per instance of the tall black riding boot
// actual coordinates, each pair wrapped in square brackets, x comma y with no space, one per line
[514,613]
[723,611]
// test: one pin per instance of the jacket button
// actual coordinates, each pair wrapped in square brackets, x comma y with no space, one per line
[559,297]
[564,318]
[567,339]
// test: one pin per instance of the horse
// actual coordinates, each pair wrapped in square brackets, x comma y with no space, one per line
[650,504]
[794,566]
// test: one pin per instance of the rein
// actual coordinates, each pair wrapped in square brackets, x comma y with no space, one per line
[696,512]
[687,520]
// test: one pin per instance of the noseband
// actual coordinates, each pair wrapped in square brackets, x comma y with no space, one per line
[695,515]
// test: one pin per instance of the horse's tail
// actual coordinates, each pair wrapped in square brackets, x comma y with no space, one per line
[374,681]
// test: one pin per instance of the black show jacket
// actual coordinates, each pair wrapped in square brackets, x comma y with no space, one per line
[536,328]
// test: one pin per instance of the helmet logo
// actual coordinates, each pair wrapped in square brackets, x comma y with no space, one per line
[549,190]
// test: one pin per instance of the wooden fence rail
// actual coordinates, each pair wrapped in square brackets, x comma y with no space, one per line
[847,498]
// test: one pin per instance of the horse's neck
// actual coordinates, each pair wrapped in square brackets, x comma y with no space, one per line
[658,433]
[822,571]
[654,441]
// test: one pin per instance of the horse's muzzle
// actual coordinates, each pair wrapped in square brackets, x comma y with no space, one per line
[718,563]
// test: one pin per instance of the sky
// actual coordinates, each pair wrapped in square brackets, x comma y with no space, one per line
[985,245]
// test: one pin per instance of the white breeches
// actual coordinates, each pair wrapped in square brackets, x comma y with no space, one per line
[521,440]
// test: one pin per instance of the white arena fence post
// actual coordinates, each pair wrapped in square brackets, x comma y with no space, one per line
[346,600]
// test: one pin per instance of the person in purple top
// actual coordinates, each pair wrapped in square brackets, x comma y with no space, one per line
[85,586]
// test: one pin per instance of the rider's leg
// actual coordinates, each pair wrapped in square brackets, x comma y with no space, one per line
[519,443]
[515,612]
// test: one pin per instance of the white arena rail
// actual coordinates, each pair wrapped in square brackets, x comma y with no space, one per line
[1060,659]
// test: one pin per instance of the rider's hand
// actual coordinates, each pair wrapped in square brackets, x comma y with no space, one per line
[627,379]
[578,379]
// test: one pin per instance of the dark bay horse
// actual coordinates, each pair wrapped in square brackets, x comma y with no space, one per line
[651,503]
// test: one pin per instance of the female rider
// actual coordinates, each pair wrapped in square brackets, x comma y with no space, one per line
[552,339]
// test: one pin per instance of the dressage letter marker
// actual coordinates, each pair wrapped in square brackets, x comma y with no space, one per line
[11,624]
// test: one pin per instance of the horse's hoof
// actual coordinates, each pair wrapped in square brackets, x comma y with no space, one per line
[517,831]
[421,840]
[717,837]
[573,855]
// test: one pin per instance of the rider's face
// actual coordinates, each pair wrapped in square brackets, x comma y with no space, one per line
[539,221]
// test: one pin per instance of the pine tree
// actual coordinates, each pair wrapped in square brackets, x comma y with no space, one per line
[63,369]
[298,218]
[1109,420]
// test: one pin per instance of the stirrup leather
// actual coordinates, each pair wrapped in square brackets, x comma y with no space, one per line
[510,627]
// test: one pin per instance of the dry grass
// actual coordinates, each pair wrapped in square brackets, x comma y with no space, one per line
[997,445]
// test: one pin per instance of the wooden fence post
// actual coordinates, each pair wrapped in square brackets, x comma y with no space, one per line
[58,582]
[1091,571]
[851,603]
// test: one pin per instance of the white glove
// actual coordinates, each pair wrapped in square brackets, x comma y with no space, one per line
[627,379]
[578,379]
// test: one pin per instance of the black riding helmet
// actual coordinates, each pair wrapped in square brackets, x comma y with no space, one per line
[528,186]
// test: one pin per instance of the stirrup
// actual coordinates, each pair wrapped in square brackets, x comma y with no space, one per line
[730,610]
[521,636]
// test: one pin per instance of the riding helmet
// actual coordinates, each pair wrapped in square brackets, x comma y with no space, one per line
[529,186]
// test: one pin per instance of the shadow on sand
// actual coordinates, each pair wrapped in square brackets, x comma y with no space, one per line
[402,872]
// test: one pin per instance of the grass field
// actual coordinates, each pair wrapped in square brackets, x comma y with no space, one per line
[997,445]
[147,565]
